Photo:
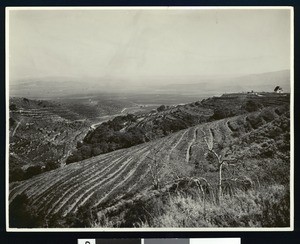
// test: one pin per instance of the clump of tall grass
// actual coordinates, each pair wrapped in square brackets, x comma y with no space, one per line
[268,207]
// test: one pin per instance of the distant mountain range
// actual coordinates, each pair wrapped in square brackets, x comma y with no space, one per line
[61,86]
[256,82]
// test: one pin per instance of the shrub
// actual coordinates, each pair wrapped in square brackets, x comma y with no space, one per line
[84,217]
[16,174]
[96,151]
[275,206]
[13,107]
[221,113]
[51,165]
[32,171]
[251,106]
[161,108]
[12,122]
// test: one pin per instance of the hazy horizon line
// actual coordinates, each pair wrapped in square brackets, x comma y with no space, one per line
[158,77]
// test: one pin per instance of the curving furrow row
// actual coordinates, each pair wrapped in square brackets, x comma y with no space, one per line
[84,182]
[85,168]
[141,180]
[57,184]
[39,181]
[180,142]
[121,182]
[174,140]
[66,205]
[101,183]
[68,183]
[37,185]
[124,181]
[68,175]
[172,144]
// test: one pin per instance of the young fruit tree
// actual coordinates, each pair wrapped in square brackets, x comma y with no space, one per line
[224,158]
[155,169]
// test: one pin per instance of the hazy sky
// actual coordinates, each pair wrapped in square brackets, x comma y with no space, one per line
[143,45]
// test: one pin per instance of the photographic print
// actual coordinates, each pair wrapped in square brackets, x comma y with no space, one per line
[149,118]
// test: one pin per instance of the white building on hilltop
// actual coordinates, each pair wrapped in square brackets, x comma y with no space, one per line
[278,89]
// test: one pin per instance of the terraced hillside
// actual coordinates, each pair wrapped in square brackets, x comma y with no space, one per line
[42,134]
[112,184]
[130,130]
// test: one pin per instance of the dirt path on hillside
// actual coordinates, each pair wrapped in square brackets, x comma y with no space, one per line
[104,119]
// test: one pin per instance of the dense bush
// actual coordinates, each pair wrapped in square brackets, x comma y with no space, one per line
[51,165]
[252,106]
[221,113]
[12,122]
[161,108]
[16,174]
[32,171]
[13,107]
[19,174]
[255,121]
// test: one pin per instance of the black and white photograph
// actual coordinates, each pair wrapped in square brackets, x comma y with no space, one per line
[149,118]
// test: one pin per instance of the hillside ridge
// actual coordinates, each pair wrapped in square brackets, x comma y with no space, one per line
[129,130]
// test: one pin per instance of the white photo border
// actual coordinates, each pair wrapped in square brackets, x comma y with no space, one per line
[206,229]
